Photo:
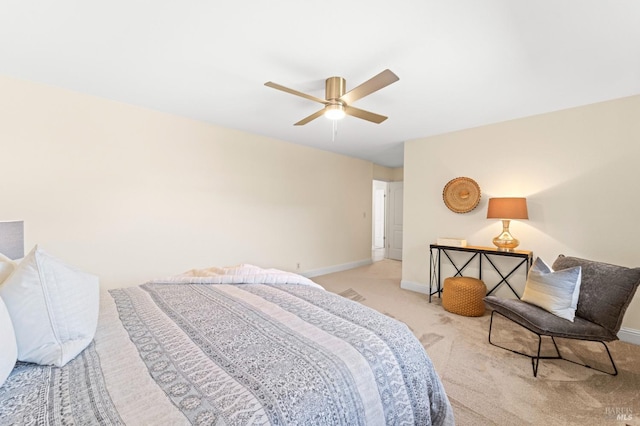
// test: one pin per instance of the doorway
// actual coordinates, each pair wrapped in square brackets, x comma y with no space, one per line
[387,220]
[379,209]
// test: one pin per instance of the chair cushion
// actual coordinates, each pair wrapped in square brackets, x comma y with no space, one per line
[605,291]
[542,322]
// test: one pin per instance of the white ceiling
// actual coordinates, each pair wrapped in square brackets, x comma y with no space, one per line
[461,63]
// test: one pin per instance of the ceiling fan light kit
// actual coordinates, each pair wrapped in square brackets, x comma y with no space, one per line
[337,102]
[334,112]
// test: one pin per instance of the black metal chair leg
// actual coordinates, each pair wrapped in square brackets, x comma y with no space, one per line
[615,370]
[613,364]
[535,359]
[504,347]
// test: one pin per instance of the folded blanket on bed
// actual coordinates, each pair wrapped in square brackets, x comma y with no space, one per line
[240,274]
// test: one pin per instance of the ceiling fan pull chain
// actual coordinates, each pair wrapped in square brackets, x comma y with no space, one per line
[335,130]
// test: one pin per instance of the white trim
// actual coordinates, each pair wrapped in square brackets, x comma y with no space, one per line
[414,286]
[337,268]
[629,335]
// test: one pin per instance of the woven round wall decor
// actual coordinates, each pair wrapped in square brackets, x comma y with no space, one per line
[461,195]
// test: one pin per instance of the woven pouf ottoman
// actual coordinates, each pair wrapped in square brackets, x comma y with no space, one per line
[463,296]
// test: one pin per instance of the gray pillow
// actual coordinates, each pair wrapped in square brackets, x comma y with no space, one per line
[605,291]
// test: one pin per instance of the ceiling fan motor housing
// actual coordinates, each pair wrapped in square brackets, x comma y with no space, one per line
[335,87]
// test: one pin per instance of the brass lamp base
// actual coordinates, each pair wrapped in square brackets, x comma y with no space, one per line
[505,241]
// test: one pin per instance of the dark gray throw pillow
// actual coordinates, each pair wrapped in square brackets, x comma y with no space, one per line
[605,292]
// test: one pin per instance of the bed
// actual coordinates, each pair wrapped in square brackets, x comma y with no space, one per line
[233,346]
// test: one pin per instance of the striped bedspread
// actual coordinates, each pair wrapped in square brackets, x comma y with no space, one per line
[234,354]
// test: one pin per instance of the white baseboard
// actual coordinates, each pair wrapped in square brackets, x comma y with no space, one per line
[629,335]
[337,268]
[414,286]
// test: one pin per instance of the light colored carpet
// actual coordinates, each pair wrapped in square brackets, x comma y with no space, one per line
[491,386]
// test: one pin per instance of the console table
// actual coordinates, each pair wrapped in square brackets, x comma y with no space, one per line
[436,252]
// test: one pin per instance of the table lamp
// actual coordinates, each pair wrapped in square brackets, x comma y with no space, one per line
[507,209]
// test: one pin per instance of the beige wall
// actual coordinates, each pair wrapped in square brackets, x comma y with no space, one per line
[131,194]
[578,169]
[388,174]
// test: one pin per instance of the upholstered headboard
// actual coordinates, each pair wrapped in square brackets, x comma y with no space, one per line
[12,239]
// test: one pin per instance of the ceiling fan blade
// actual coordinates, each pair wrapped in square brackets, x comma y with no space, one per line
[381,80]
[365,115]
[309,118]
[294,92]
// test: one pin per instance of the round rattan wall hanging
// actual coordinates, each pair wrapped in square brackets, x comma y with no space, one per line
[461,195]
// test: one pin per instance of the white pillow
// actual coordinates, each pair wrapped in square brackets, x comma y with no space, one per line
[53,307]
[6,267]
[553,291]
[8,348]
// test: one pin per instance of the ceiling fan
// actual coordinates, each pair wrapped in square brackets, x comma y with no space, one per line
[337,103]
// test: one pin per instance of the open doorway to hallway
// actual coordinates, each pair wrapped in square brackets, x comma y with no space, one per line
[387,220]
[379,209]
